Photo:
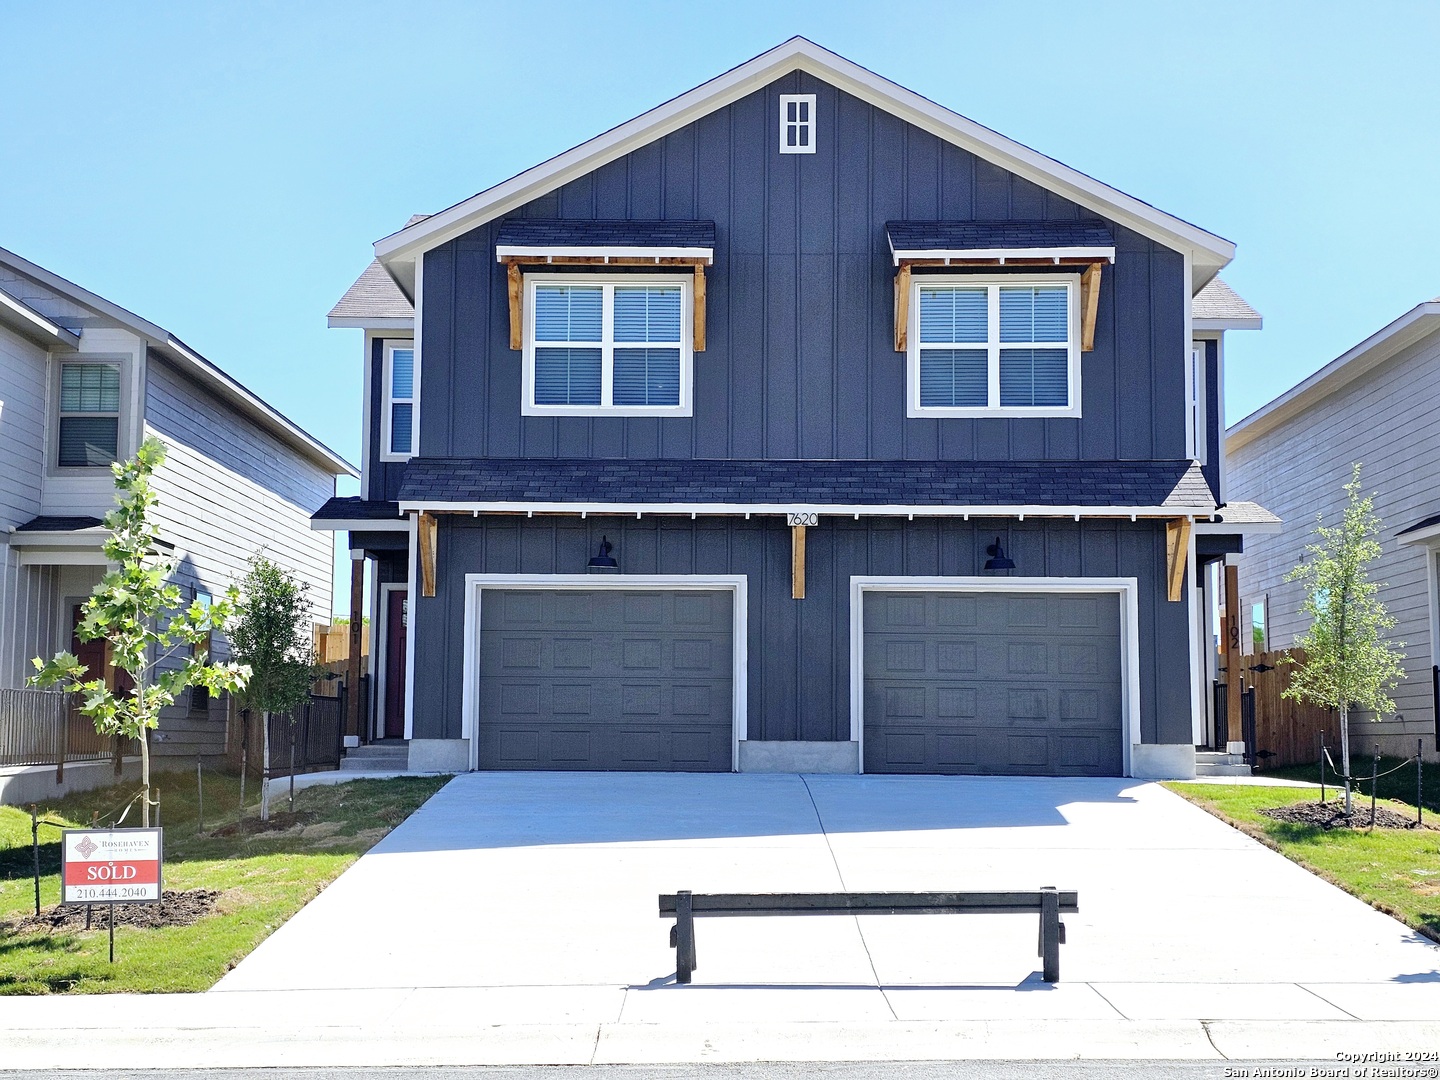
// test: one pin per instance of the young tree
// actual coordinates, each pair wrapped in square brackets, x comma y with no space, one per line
[137,609]
[1349,663]
[272,636]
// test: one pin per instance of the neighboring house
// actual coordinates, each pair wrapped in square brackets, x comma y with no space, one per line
[1376,405]
[82,383]
[797,424]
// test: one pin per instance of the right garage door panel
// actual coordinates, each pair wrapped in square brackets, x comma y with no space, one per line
[993,683]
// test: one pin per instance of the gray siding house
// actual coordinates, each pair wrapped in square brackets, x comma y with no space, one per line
[797,424]
[82,383]
[1376,404]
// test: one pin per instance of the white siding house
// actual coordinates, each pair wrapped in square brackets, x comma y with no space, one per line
[82,383]
[1378,405]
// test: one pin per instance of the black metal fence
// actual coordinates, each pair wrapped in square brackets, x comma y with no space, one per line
[43,727]
[309,739]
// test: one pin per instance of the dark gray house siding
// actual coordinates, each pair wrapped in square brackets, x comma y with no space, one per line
[800,360]
[799,650]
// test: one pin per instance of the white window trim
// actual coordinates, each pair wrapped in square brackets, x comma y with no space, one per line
[389,401]
[808,126]
[1128,589]
[477,584]
[608,345]
[1198,412]
[915,410]
[60,414]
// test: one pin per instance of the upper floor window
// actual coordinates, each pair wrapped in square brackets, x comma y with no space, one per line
[398,436]
[797,123]
[608,345]
[1000,346]
[89,415]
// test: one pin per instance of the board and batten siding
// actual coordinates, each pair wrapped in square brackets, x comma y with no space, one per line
[799,650]
[800,359]
[26,593]
[1386,420]
[227,490]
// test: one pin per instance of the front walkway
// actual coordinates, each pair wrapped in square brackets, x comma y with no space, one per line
[513,918]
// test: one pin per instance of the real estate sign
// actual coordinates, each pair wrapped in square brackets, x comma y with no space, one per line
[110,866]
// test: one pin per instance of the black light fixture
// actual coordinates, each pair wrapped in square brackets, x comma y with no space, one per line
[998,559]
[604,562]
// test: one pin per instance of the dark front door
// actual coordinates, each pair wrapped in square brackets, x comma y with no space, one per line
[95,655]
[1000,683]
[396,614]
[622,679]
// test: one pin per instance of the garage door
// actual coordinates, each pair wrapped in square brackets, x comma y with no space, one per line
[993,683]
[632,679]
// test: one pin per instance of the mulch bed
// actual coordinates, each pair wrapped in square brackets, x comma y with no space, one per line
[176,909]
[1331,815]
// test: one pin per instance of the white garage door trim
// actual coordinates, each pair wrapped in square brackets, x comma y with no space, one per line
[476,584]
[1127,588]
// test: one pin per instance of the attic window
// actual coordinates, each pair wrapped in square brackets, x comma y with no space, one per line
[797,123]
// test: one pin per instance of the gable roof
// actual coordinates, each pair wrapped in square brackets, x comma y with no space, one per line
[1419,322]
[192,364]
[374,301]
[1219,307]
[399,250]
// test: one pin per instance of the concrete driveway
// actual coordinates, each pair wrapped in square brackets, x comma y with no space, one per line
[531,898]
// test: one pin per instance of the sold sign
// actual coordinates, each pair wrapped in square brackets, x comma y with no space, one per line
[111,866]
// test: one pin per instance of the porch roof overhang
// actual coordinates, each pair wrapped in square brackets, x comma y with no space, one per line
[355,514]
[53,539]
[1425,531]
[1110,489]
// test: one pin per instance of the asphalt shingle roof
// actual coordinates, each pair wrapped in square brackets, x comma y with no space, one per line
[374,296]
[989,235]
[807,483]
[1246,513]
[520,232]
[355,508]
[1217,300]
[56,523]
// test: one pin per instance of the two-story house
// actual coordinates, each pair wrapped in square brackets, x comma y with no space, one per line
[797,424]
[82,383]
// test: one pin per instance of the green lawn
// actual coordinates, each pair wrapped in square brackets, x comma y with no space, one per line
[263,877]
[1394,783]
[1395,870]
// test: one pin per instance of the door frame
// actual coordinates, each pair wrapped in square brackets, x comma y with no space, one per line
[736,584]
[380,647]
[1128,589]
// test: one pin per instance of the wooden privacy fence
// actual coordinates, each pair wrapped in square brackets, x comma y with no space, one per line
[1286,732]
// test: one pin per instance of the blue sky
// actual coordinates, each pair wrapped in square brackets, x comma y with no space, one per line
[223,169]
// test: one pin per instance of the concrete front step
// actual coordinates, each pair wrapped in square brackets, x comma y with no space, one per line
[1209,769]
[377,757]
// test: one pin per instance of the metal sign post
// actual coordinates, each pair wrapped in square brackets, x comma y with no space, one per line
[111,866]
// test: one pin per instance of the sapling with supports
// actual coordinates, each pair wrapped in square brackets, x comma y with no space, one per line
[1349,663]
[152,635]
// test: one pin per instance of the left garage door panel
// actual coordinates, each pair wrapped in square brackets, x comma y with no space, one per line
[606,679]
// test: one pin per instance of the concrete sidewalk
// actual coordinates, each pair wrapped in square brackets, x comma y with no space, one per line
[512,920]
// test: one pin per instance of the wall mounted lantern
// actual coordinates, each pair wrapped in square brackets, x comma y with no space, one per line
[604,562]
[998,559]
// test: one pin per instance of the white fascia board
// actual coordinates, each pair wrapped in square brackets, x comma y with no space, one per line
[533,251]
[1211,251]
[34,325]
[1429,537]
[835,510]
[93,537]
[398,524]
[1213,325]
[1380,346]
[365,322]
[1098,254]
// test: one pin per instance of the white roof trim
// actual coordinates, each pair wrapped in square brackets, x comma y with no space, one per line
[366,322]
[203,370]
[1243,323]
[1095,253]
[1210,251]
[94,536]
[1429,536]
[1418,322]
[37,325]
[809,508]
[550,251]
[395,524]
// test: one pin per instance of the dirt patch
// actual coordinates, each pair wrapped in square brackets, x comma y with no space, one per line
[175,909]
[250,826]
[1331,815]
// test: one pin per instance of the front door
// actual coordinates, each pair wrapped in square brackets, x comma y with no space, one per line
[396,614]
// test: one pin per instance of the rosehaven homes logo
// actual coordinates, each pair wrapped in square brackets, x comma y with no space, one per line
[111,866]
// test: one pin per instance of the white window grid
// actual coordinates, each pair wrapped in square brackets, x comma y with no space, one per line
[797,123]
[607,345]
[993,345]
